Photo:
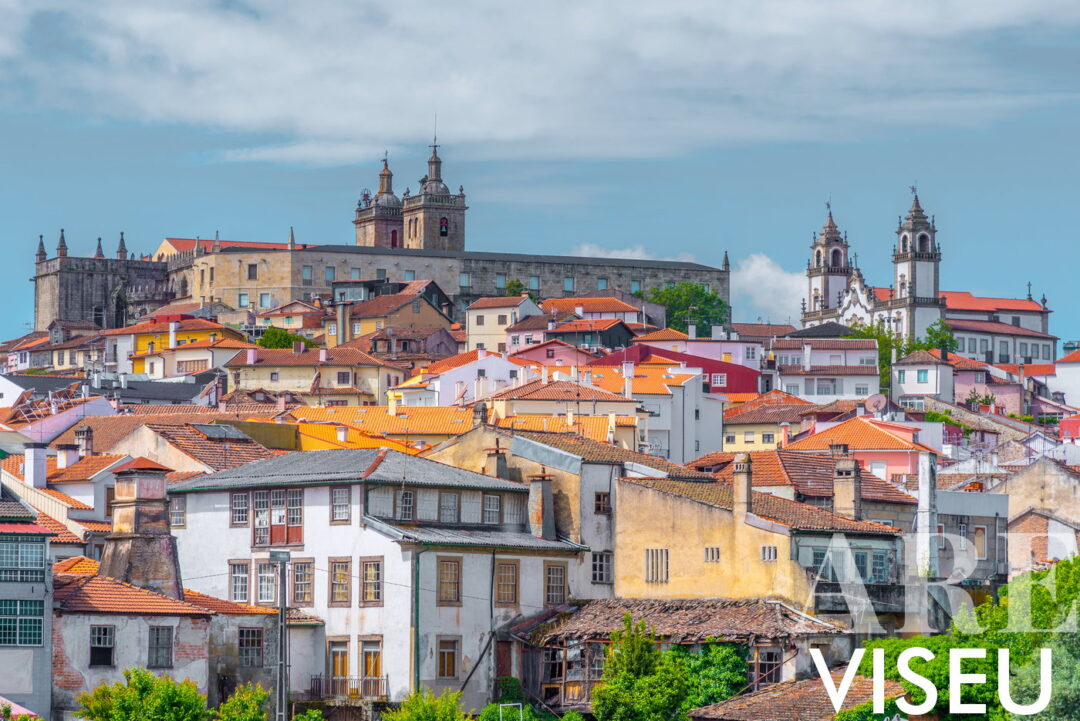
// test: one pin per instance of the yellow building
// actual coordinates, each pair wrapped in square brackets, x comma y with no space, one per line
[133,343]
[335,377]
[393,310]
[760,424]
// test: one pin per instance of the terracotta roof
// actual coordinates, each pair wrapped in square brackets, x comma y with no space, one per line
[840,405]
[505,301]
[77,565]
[770,413]
[559,391]
[588,305]
[824,344]
[24,528]
[662,334]
[594,427]
[860,434]
[207,245]
[773,397]
[66,499]
[989,326]
[185,325]
[456,361]
[100,594]
[381,305]
[63,535]
[94,526]
[810,474]
[921,357]
[800,516]
[649,378]
[959,362]
[177,476]
[684,620]
[222,343]
[747,331]
[276,357]
[79,472]
[409,420]
[538,322]
[584,325]
[217,453]
[109,430]
[1073,357]
[556,342]
[177,309]
[962,300]
[1030,369]
[805,700]
[829,370]
[592,451]
[228,608]
[141,463]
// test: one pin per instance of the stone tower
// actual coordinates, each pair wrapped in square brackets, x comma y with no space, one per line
[141,549]
[828,269]
[916,274]
[434,219]
[378,220]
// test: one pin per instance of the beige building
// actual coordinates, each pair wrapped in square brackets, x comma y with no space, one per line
[487,319]
[393,310]
[322,377]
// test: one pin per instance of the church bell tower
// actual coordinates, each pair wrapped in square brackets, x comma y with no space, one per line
[828,269]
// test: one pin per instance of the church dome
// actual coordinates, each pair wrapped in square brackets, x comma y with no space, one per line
[387,200]
[434,186]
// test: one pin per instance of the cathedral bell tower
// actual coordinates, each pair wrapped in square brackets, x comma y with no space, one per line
[435,217]
[378,219]
[916,273]
[828,269]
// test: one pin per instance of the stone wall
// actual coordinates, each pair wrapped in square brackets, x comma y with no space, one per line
[106,291]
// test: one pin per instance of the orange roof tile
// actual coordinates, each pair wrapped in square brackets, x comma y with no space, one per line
[77,565]
[217,454]
[229,608]
[594,427]
[505,301]
[963,300]
[95,526]
[185,325]
[456,361]
[861,434]
[649,378]
[63,535]
[587,305]
[990,326]
[79,472]
[109,430]
[560,391]
[1073,357]
[585,324]
[339,356]
[207,245]
[408,421]
[220,343]
[662,334]
[100,594]
[66,499]
[1030,369]
[140,464]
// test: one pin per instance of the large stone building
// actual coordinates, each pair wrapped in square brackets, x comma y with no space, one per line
[414,237]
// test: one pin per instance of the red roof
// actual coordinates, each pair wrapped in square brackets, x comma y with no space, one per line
[505,301]
[24,528]
[185,325]
[456,361]
[989,326]
[586,325]
[140,464]
[663,334]
[1073,357]
[101,594]
[1030,369]
[962,300]
[185,244]
[59,530]
[587,305]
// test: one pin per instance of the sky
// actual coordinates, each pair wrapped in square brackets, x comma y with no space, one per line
[680,129]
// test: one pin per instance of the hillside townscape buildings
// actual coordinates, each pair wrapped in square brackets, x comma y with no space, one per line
[358,470]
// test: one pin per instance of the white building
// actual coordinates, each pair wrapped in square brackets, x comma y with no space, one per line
[487,319]
[464,378]
[411,564]
[922,374]
[823,370]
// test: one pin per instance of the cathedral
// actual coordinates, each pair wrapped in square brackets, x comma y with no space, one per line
[838,292]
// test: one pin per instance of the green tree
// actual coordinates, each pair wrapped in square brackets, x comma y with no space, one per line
[716,673]
[514,287]
[247,703]
[939,335]
[142,696]
[633,650]
[690,302]
[639,683]
[423,705]
[281,338]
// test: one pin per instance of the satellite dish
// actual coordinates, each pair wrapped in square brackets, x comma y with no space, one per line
[875,403]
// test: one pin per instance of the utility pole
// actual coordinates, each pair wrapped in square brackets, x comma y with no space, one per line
[281,692]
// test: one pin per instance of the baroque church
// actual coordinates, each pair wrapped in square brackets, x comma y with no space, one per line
[838,292]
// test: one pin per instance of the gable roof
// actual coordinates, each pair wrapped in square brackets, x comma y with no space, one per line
[588,305]
[772,413]
[651,378]
[922,357]
[559,391]
[585,325]
[793,514]
[337,356]
[832,329]
[824,343]
[594,427]
[184,325]
[104,595]
[963,300]
[406,421]
[539,322]
[61,534]
[860,434]
[109,430]
[754,331]
[201,443]
[504,301]
[592,451]
[555,342]
[1030,369]
[805,700]
[79,472]
[461,359]
[990,326]
[383,305]
[662,334]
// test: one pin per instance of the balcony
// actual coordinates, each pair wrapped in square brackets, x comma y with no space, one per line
[884,597]
[348,688]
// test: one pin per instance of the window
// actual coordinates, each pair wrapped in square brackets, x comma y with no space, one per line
[302,588]
[160,652]
[751,352]
[354,274]
[501,320]
[768,438]
[748,437]
[492,509]
[344,378]
[22,561]
[554,583]
[506,582]
[21,622]
[712,554]
[550,352]
[601,283]
[979,541]
[307,275]
[729,438]
[568,284]
[500,280]
[340,506]
[371,666]
[340,581]
[601,566]
[253,271]
[371,581]
[449,649]
[410,275]
[656,565]
[766,667]
[879,568]
[534,282]
[251,647]
[238,582]
[449,582]
[264,300]
[448,506]
[405,505]
[862,390]
[102,643]
[922,375]
[768,553]
[479,319]
[241,300]
[980,376]
[1024,348]
[275,376]
[330,273]
[266,577]
[602,502]
[635,286]
[464,280]
[178,511]
[719,379]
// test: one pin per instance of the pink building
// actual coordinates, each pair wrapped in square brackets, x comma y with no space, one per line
[555,352]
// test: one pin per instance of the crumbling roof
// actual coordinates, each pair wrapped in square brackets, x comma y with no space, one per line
[201,443]
[804,700]
[539,322]
[101,594]
[592,451]
[685,621]
[109,430]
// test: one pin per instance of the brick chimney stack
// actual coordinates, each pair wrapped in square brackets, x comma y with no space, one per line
[742,490]
[847,489]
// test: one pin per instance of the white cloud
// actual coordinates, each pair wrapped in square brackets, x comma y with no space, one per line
[761,288]
[633,252]
[329,82]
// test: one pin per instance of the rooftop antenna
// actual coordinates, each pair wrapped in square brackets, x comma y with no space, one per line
[435,134]
[914,188]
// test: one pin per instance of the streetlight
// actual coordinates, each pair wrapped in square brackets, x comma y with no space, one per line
[282,558]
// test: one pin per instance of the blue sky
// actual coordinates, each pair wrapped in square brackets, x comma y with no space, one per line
[671,130]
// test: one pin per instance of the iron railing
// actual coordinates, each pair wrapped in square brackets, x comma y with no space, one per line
[348,687]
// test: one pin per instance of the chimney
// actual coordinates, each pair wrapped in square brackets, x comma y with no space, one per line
[569,417]
[84,438]
[222,406]
[628,379]
[67,454]
[847,489]
[541,507]
[579,310]
[298,346]
[926,517]
[343,329]
[806,364]
[173,327]
[322,355]
[481,353]
[717,332]
[742,488]
[123,381]
[543,375]
[343,434]
[391,404]
[574,373]
[611,427]
[281,397]
[691,330]
[141,549]
[252,356]
[34,468]
[785,434]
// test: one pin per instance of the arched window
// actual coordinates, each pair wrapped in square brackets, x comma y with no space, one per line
[924,243]
[903,244]
[393,238]
[837,258]
[444,227]
[183,288]
[903,289]
[817,261]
